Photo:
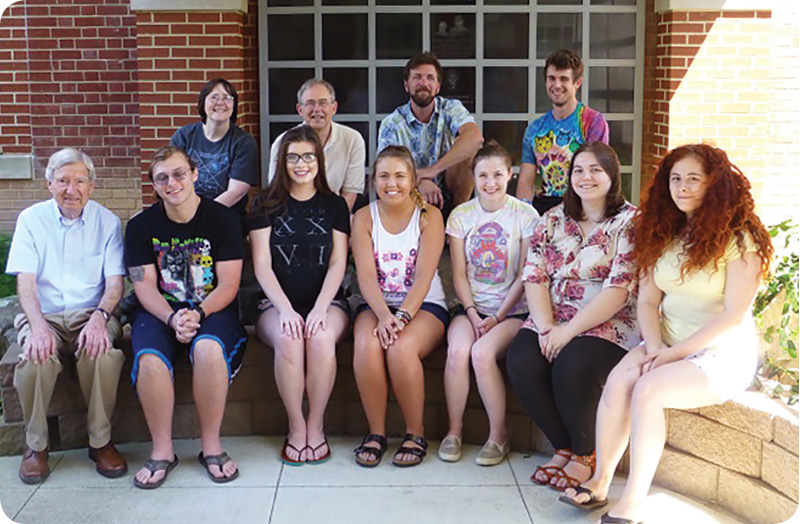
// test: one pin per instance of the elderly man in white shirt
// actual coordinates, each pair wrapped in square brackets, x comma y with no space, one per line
[343,146]
[67,255]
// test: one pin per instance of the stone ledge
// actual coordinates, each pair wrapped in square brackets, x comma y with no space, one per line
[189,5]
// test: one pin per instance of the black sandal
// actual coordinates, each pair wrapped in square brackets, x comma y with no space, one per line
[608,519]
[419,453]
[589,505]
[376,454]
[217,460]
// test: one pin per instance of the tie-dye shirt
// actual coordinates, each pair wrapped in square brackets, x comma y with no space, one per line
[430,141]
[550,143]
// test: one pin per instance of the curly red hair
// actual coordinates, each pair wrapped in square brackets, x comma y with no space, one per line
[727,210]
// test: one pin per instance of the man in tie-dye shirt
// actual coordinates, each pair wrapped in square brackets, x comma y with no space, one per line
[551,140]
[441,134]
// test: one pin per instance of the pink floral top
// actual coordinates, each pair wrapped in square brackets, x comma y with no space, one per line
[576,269]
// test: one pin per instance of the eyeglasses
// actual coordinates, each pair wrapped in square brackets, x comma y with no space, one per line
[293,158]
[322,103]
[162,179]
[228,99]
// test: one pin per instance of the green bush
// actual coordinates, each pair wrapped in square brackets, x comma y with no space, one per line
[8,284]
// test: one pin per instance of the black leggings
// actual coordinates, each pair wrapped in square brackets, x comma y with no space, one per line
[562,397]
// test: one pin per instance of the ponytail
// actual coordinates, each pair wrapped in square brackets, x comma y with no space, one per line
[419,201]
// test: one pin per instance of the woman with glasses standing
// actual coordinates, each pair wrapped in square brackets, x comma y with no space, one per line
[225,155]
[299,230]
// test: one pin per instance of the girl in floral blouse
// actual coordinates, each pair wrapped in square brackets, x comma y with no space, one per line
[580,284]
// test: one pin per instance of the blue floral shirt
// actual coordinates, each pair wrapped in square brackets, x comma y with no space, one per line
[427,141]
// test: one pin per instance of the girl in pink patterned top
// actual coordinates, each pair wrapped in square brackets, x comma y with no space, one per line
[580,284]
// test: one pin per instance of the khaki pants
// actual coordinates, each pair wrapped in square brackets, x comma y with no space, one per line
[98,378]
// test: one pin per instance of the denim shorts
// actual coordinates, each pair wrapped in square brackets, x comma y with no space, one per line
[434,309]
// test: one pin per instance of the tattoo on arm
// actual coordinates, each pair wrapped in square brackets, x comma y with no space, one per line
[136,273]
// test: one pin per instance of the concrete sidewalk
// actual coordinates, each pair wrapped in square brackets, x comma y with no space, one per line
[337,491]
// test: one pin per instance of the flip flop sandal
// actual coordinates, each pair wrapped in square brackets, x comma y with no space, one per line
[217,460]
[323,458]
[419,453]
[154,466]
[589,505]
[376,454]
[550,471]
[285,458]
[608,519]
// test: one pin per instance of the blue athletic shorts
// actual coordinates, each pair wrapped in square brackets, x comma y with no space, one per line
[151,335]
[461,311]
[434,309]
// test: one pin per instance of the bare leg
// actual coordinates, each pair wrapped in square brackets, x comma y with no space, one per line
[404,358]
[370,371]
[157,396]
[320,376]
[459,180]
[485,353]
[210,389]
[460,337]
[289,377]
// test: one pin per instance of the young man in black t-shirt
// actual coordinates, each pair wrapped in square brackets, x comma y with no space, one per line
[184,256]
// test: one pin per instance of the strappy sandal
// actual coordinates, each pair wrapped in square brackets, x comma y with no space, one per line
[154,466]
[549,471]
[589,461]
[419,453]
[217,460]
[608,519]
[375,454]
[589,505]
[285,456]
[323,458]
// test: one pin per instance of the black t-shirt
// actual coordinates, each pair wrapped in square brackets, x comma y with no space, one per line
[301,243]
[184,254]
[234,156]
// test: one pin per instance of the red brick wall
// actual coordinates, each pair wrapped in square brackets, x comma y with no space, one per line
[69,79]
[178,53]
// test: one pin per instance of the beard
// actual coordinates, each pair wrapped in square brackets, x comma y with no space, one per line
[422,98]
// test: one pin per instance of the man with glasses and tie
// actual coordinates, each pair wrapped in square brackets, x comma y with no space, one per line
[184,256]
[67,255]
[343,146]
[226,156]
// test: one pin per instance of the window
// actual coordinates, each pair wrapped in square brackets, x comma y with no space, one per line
[492,52]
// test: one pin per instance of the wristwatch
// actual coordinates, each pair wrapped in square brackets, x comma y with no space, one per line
[105,314]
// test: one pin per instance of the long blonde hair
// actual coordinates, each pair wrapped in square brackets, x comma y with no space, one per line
[403,153]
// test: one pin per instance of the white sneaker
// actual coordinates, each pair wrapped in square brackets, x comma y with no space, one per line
[450,448]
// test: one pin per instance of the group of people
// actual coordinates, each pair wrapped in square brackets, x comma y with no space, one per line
[605,314]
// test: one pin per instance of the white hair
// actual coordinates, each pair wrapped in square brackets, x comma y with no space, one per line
[65,157]
[311,82]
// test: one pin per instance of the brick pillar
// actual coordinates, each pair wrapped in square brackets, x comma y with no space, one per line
[178,51]
[710,76]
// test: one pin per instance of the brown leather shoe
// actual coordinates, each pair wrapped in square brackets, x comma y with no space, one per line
[110,462]
[34,468]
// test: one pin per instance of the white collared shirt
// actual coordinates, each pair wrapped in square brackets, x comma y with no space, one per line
[71,259]
[344,159]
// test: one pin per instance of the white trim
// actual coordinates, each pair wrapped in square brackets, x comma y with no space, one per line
[16,167]
[715,5]
[189,5]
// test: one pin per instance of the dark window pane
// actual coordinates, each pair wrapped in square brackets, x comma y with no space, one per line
[543,103]
[559,2]
[612,35]
[620,137]
[459,82]
[453,35]
[344,2]
[508,134]
[505,90]
[505,35]
[452,2]
[283,84]
[611,2]
[390,91]
[291,37]
[398,35]
[556,31]
[611,89]
[344,37]
[626,185]
[399,2]
[363,128]
[505,2]
[351,88]
[276,128]
[290,3]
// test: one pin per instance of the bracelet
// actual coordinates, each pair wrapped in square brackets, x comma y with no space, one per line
[496,318]
[403,315]
[470,306]
[169,319]
[105,314]
[202,312]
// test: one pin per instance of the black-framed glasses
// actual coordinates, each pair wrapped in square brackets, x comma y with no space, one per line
[293,158]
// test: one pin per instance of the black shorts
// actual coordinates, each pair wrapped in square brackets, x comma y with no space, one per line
[544,203]
[461,311]
[150,335]
[434,309]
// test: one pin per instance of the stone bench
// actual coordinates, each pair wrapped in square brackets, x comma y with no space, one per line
[741,455]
